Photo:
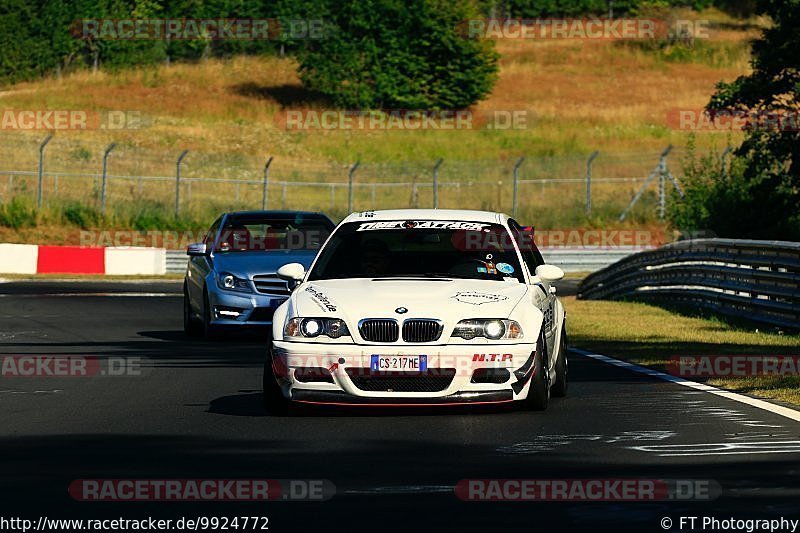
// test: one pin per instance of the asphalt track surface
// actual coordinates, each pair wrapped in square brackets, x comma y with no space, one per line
[194,411]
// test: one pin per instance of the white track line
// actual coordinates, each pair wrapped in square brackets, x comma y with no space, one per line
[741,398]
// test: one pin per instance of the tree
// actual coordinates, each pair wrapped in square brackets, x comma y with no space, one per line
[398,54]
[760,196]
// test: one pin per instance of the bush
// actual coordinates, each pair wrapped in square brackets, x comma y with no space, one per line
[734,203]
[392,54]
[82,216]
[17,214]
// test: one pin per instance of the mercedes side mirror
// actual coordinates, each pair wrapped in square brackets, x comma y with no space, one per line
[198,248]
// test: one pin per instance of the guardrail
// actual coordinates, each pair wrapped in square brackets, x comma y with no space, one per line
[588,258]
[757,280]
[176,261]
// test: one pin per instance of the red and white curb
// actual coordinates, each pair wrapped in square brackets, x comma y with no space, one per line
[35,259]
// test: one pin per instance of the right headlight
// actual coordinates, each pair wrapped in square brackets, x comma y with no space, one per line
[492,329]
[314,327]
[230,282]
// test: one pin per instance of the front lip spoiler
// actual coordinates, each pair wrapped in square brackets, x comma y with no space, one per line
[458,398]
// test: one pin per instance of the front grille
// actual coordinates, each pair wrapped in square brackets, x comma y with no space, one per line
[434,380]
[261,314]
[421,330]
[379,330]
[271,285]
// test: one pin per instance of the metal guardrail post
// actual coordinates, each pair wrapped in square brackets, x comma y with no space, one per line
[265,194]
[178,182]
[589,182]
[514,191]
[350,186]
[41,169]
[436,183]
[105,178]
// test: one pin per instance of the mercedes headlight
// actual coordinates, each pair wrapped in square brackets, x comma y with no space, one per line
[232,283]
[492,329]
[314,327]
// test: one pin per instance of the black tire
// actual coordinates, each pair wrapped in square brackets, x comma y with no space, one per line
[209,330]
[562,368]
[191,326]
[275,403]
[539,394]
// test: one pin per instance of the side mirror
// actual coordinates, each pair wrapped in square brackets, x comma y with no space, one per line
[198,248]
[292,272]
[549,273]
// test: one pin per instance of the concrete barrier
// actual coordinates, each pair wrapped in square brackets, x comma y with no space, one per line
[135,261]
[18,258]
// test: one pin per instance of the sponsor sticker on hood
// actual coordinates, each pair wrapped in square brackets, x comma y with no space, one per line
[320,299]
[478,298]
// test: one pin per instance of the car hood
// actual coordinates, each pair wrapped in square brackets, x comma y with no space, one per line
[248,264]
[447,300]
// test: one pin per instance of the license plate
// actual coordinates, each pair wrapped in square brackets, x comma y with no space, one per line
[399,363]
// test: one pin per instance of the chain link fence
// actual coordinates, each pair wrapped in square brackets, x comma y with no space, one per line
[551,191]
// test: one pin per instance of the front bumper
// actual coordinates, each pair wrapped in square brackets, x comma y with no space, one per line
[229,308]
[450,377]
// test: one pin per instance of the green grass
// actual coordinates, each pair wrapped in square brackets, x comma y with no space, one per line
[649,335]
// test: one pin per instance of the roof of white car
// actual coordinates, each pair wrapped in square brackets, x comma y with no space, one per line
[460,215]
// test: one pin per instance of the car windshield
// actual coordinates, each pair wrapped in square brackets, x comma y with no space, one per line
[258,233]
[418,248]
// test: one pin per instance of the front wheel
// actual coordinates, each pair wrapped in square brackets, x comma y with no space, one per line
[209,330]
[191,325]
[560,386]
[539,393]
[275,403]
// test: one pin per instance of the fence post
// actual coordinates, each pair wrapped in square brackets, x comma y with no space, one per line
[41,169]
[589,182]
[350,186]
[265,196]
[514,190]
[178,182]
[661,171]
[436,183]
[724,161]
[105,178]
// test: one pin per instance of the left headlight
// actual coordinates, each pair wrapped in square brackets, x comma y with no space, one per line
[314,327]
[230,282]
[492,329]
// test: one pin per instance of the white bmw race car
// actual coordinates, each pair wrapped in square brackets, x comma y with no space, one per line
[420,307]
